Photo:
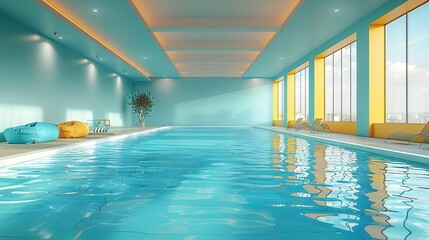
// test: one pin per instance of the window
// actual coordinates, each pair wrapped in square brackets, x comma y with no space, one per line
[301,94]
[280,99]
[340,85]
[407,67]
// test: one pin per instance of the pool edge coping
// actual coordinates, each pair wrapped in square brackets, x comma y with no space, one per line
[412,157]
[19,158]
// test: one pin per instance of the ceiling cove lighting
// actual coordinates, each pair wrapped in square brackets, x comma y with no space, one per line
[75,21]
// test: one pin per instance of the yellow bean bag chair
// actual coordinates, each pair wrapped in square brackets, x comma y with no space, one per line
[73,129]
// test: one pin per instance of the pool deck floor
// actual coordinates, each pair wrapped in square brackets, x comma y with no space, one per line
[410,152]
[9,151]
[391,148]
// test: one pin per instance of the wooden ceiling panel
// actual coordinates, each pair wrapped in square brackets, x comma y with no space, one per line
[213,32]
[211,74]
[250,23]
[215,9]
[262,36]
[213,57]
[214,45]
[212,67]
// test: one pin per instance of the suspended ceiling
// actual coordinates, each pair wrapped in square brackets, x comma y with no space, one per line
[191,38]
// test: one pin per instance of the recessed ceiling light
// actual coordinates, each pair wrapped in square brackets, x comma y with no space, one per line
[95,10]
[58,35]
[144,58]
[281,58]
[336,10]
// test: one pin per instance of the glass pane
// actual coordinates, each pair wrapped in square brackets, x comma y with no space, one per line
[418,65]
[329,110]
[353,96]
[280,99]
[396,71]
[337,86]
[307,93]
[346,91]
[297,95]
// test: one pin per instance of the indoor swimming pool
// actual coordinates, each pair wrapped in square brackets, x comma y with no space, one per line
[228,183]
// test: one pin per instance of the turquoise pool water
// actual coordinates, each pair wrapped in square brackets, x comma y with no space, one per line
[214,183]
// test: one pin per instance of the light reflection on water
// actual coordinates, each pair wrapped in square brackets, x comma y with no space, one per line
[214,183]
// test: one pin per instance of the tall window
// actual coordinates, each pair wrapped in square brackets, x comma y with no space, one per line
[280,99]
[301,94]
[340,85]
[407,67]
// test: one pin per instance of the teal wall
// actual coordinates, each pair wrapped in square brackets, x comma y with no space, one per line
[209,101]
[41,80]
[361,28]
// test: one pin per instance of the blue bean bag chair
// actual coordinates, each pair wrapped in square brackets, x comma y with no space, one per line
[36,132]
[2,138]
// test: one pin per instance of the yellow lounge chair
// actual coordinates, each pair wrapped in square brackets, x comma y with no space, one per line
[318,126]
[410,137]
[303,125]
[297,124]
[426,140]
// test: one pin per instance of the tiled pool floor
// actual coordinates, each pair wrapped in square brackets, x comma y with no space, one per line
[208,183]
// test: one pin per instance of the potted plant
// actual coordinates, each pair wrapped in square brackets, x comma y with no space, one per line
[141,104]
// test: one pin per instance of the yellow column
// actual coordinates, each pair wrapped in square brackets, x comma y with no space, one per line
[376,76]
[275,101]
[290,115]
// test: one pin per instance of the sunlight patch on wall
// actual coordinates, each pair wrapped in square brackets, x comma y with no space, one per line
[14,115]
[115,119]
[79,115]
